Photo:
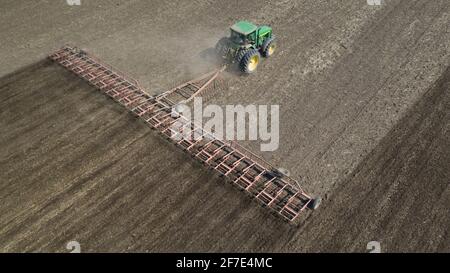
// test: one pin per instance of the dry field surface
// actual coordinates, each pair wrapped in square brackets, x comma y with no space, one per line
[364,94]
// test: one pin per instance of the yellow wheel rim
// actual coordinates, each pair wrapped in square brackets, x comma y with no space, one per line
[271,49]
[254,61]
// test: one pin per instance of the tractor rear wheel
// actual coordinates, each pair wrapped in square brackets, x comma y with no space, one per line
[241,53]
[250,61]
[268,47]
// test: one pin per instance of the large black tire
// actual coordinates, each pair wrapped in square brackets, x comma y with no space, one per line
[241,53]
[315,203]
[281,172]
[250,61]
[268,47]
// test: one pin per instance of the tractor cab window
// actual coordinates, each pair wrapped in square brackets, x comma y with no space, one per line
[237,37]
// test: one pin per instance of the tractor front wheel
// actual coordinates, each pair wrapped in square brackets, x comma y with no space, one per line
[250,61]
[268,47]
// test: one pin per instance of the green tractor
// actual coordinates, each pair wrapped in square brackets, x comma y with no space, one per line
[246,44]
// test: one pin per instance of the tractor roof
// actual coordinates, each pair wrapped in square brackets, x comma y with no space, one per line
[244,27]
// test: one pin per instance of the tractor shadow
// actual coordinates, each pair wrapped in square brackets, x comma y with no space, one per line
[209,55]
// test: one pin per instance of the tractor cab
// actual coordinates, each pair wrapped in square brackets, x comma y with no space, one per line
[246,44]
[243,33]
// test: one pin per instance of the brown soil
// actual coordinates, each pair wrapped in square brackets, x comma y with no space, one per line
[364,103]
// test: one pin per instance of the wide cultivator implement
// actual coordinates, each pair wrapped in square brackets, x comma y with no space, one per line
[244,169]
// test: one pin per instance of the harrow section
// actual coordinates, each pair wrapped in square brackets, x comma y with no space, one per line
[244,169]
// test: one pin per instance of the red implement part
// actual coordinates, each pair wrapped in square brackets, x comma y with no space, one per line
[244,168]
